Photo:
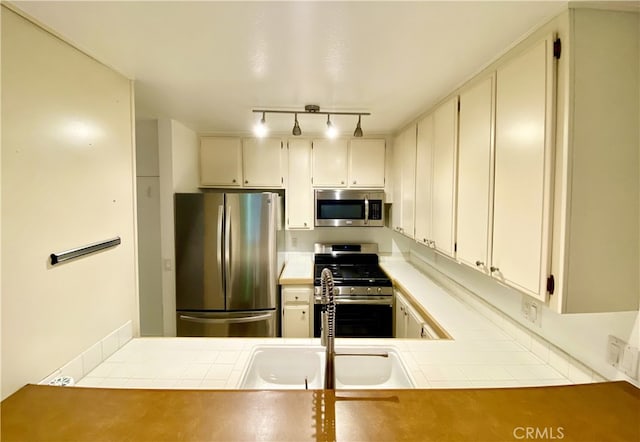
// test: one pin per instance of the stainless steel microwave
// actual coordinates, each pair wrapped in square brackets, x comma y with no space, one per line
[352,208]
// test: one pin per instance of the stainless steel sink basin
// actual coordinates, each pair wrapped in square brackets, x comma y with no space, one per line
[287,367]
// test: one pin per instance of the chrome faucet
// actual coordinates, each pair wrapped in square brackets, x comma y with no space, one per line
[327,336]
[328,332]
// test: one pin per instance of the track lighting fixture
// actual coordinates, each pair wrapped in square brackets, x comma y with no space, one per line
[358,131]
[332,131]
[296,126]
[260,129]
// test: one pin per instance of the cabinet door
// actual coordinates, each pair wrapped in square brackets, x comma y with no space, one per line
[408,187]
[261,160]
[299,197]
[443,202]
[522,170]
[424,172]
[295,321]
[330,163]
[396,208]
[220,161]
[474,174]
[414,324]
[366,163]
[400,316]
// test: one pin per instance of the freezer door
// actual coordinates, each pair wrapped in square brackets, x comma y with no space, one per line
[250,251]
[199,222]
[236,324]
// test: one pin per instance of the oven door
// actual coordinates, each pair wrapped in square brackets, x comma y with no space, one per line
[359,318]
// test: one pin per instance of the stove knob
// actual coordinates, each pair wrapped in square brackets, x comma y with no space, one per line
[353,290]
[368,290]
[379,289]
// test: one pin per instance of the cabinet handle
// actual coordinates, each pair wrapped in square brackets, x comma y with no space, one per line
[479,263]
[233,180]
[355,182]
[305,224]
[246,181]
[341,182]
[304,312]
[494,269]
[296,297]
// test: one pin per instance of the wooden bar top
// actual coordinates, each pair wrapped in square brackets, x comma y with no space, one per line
[591,412]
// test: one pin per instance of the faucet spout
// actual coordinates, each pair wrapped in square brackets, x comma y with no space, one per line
[328,327]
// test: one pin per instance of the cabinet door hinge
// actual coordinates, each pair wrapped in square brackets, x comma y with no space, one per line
[458,105]
[281,180]
[311,180]
[557,48]
[455,246]
[551,284]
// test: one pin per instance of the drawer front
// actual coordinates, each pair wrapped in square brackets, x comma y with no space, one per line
[297,295]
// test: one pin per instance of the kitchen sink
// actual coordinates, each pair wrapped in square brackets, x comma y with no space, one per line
[284,367]
[288,367]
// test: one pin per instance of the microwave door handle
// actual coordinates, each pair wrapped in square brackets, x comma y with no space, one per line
[366,210]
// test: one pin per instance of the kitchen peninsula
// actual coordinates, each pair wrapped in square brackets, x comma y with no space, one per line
[602,412]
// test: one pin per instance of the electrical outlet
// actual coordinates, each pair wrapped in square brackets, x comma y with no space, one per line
[294,242]
[531,310]
[615,349]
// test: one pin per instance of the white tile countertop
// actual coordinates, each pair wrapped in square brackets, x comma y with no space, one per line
[480,355]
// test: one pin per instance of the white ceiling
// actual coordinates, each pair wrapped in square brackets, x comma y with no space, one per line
[208,64]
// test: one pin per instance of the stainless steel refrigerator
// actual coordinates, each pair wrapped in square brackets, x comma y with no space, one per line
[226,264]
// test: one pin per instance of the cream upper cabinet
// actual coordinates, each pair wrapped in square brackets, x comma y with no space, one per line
[366,163]
[220,161]
[263,162]
[523,149]
[435,178]
[299,192]
[404,158]
[443,194]
[330,159]
[424,172]
[475,171]
[596,212]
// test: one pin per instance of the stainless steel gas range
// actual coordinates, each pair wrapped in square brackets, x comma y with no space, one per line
[363,292]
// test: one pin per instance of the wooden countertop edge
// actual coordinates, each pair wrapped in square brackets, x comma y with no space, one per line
[296,281]
[605,411]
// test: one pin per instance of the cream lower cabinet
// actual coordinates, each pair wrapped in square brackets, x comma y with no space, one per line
[299,191]
[408,322]
[404,172]
[523,149]
[436,174]
[296,311]
[475,172]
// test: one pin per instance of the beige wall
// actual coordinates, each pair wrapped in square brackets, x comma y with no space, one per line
[67,180]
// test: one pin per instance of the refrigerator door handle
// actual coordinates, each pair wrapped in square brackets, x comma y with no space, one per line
[227,248]
[219,251]
[240,320]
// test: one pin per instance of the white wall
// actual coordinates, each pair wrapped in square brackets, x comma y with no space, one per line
[178,160]
[67,181]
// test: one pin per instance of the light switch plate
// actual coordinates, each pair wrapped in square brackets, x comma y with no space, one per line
[531,310]
[615,348]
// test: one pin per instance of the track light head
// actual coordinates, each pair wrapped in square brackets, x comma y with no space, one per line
[296,127]
[332,131]
[260,129]
[358,132]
